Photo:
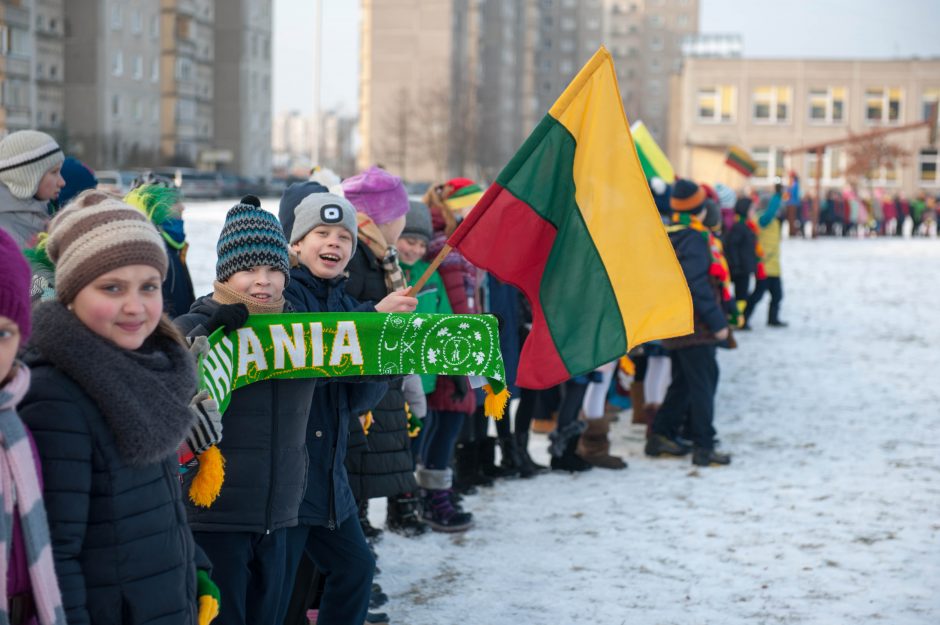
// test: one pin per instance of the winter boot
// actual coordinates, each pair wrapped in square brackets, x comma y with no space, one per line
[703,457]
[510,461]
[544,426]
[569,459]
[372,533]
[658,445]
[527,467]
[466,467]
[488,466]
[442,516]
[638,402]
[594,445]
[649,414]
[404,515]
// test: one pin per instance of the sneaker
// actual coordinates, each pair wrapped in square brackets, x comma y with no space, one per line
[404,516]
[658,445]
[710,458]
[441,514]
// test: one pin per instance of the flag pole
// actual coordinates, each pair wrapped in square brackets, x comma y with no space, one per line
[413,291]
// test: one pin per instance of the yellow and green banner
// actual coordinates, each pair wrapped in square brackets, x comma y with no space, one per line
[653,160]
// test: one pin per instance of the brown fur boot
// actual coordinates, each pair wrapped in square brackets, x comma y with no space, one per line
[594,445]
[638,401]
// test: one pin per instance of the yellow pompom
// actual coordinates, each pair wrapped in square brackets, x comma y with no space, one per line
[207,484]
[494,404]
[366,422]
[208,609]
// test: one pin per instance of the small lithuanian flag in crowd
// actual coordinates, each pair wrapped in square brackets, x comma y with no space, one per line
[571,222]
[466,194]
[739,160]
[652,158]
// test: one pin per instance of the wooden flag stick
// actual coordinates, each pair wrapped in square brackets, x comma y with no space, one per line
[413,292]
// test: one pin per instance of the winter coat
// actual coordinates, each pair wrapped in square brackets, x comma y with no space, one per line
[741,249]
[432,299]
[769,237]
[695,257]
[336,406]
[124,553]
[460,281]
[178,295]
[264,446]
[23,219]
[380,464]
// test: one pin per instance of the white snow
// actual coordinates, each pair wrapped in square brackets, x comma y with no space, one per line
[829,514]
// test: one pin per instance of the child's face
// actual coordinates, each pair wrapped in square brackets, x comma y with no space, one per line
[325,250]
[411,249]
[9,344]
[123,305]
[50,185]
[264,283]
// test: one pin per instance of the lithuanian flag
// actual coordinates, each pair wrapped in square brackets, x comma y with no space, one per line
[652,158]
[740,160]
[570,221]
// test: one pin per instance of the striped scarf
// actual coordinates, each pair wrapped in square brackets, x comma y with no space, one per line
[22,496]
[387,255]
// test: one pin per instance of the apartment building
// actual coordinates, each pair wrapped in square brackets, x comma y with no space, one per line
[112,82]
[771,106]
[32,66]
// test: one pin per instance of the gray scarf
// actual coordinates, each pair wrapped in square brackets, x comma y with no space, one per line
[144,395]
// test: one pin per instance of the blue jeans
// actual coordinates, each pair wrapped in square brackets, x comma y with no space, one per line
[445,427]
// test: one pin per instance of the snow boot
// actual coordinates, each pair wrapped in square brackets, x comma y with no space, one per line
[544,426]
[562,448]
[637,402]
[510,461]
[373,534]
[649,414]
[467,474]
[703,457]
[527,467]
[488,466]
[658,445]
[441,514]
[404,515]
[594,445]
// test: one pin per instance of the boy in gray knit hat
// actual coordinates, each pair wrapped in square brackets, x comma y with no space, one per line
[29,179]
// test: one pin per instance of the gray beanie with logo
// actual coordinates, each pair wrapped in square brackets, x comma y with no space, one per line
[25,157]
[319,209]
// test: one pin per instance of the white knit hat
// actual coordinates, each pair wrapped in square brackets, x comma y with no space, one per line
[25,157]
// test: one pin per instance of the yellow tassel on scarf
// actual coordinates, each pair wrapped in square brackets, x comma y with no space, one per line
[366,422]
[494,405]
[207,484]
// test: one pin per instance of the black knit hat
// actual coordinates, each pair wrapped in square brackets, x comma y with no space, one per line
[687,197]
[742,206]
[251,237]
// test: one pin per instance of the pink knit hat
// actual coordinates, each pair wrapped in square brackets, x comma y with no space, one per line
[378,194]
[14,284]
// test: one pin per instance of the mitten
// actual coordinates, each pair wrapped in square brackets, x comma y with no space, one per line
[228,316]
[207,430]
[461,387]
[207,596]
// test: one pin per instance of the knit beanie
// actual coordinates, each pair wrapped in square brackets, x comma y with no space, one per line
[87,241]
[78,177]
[25,157]
[14,285]
[291,198]
[418,222]
[318,209]
[742,206]
[466,193]
[662,194]
[251,237]
[378,194]
[687,197]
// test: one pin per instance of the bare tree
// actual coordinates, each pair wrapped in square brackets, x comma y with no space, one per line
[866,157]
[394,149]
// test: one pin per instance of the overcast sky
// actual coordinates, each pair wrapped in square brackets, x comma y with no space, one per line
[771,28]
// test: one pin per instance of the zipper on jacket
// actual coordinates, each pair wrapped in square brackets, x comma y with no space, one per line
[271,481]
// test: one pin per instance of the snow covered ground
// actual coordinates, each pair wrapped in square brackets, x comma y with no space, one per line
[830,513]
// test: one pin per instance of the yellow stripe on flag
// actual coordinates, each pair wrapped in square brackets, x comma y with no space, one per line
[617,206]
[654,154]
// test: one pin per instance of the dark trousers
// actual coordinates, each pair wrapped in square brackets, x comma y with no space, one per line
[445,427]
[343,557]
[775,286]
[742,282]
[690,395]
[248,568]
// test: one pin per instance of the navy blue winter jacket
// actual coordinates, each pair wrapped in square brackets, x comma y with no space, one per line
[695,257]
[328,499]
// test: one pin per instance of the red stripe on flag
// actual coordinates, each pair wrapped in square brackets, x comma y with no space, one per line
[512,232]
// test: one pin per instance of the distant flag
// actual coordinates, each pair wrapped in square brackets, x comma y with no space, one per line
[466,193]
[570,221]
[739,160]
[652,158]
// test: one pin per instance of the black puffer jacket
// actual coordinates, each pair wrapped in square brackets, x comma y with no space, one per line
[380,465]
[264,445]
[124,553]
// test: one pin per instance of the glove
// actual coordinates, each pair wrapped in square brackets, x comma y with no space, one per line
[207,596]
[461,387]
[228,316]
[207,431]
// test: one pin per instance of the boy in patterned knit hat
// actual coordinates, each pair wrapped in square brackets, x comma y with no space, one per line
[244,530]
[30,163]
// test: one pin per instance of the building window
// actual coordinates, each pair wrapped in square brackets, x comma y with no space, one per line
[682,21]
[568,23]
[827,106]
[138,109]
[656,21]
[772,104]
[117,63]
[116,18]
[155,27]
[184,69]
[155,113]
[833,166]
[930,99]
[155,70]
[883,105]
[656,43]
[116,106]
[927,166]
[138,67]
[137,22]
[716,104]
[565,67]
[769,163]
